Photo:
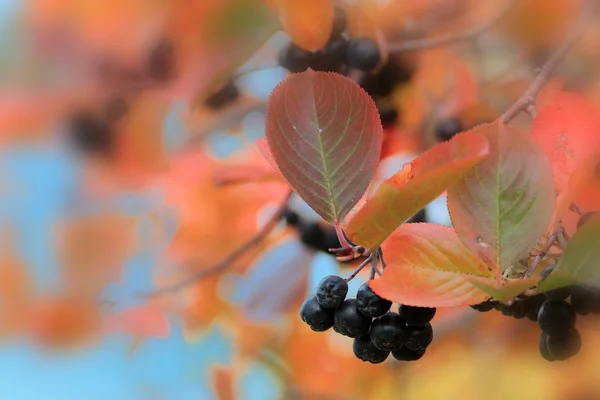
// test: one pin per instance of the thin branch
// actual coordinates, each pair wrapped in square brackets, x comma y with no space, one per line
[359,268]
[527,100]
[427,43]
[540,256]
[232,257]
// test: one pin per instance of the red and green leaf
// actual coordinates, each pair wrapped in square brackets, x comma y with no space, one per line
[508,290]
[416,185]
[503,206]
[428,266]
[324,134]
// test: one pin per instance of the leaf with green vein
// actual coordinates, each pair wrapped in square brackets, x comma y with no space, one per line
[580,260]
[324,134]
[503,206]
[508,290]
[417,184]
[428,266]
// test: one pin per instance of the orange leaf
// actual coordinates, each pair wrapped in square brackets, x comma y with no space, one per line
[224,383]
[245,169]
[143,321]
[416,185]
[428,266]
[307,22]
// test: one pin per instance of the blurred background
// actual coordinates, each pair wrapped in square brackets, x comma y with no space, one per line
[128,165]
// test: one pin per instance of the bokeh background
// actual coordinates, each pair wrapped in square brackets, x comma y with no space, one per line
[87,235]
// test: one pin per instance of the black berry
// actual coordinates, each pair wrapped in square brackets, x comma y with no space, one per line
[416,315]
[349,322]
[556,317]
[484,306]
[585,218]
[387,114]
[291,217]
[419,336]
[331,291]
[420,216]
[564,347]
[314,315]
[406,354]
[90,134]
[160,61]
[295,59]
[225,95]
[447,128]
[335,51]
[363,53]
[369,303]
[388,332]
[559,294]
[385,80]
[318,238]
[364,350]
[339,22]
[543,348]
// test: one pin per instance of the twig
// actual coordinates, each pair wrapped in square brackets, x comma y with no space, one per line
[426,43]
[540,256]
[527,100]
[232,257]
[360,268]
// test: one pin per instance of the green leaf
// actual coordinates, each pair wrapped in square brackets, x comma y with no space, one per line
[508,290]
[503,206]
[324,134]
[556,280]
[581,259]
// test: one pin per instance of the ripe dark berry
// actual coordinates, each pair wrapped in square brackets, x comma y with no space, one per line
[518,309]
[115,109]
[364,350]
[349,322]
[160,61]
[363,54]
[420,216]
[291,218]
[419,336]
[369,303]
[388,332]
[560,293]
[314,315]
[335,51]
[321,61]
[483,307]
[386,79]
[585,218]
[534,303]
[406,354]
[447,128]
[543,348]
[556,317]
[317,237]
[564,347]
[416,315]
[225,95]
[339,22]
[90,134]
[295,59]
[331,291]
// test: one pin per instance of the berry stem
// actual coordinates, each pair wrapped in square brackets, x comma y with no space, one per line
[359,268]
[228,261]
[540,256]
[527,101]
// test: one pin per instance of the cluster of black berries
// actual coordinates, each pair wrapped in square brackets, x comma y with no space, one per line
[93,133]
[339,53]
[556,314]
[447,128]
[376,330]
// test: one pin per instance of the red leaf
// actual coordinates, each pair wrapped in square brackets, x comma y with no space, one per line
[567,131]
[416,185]
[503,206]
[325,135]
[223,380]
[428,266]
[307,22]
[143,321]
